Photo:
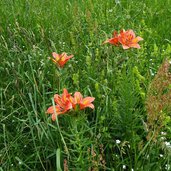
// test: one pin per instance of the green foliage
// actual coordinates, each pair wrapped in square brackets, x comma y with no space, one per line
[114,134]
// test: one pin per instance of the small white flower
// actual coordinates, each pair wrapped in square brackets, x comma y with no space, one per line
[12,165]
[167,143]
[118,141]
[161,155]
[167,167]
[124,167]
[19,162]
[132,169]
[110,10]
[163,133]
[162,138]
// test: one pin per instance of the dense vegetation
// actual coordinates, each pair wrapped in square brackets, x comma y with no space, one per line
[120,133]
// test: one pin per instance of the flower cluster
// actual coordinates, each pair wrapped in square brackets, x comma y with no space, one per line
[126,38]
[66,102]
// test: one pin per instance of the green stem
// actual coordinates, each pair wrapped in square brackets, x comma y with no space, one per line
[62,138]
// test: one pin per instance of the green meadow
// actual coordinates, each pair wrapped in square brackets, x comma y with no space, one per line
[129,128]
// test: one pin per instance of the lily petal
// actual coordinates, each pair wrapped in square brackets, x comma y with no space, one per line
[135,46]
[88,105]
[78,97]
[87,100]
[50,110]
[125,47]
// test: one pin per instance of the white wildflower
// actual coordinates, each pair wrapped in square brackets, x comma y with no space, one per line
[124,167]
[118,141]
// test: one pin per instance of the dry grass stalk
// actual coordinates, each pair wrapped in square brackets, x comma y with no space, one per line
[158,102]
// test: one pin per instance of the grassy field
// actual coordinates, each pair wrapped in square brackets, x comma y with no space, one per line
[121,132]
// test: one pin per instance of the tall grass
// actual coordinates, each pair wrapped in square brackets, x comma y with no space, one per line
[113,136]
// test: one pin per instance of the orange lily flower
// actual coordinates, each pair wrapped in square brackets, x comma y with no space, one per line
[128,39]
[63,104]
[66,102]
[82,102]
[114,40]
[60,59]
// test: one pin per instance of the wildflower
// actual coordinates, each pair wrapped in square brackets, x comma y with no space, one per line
[124,167]
[66,102]
[162,138]
[167,144]
[63,104]
[128,39]
[60,59]
[163,133]
[78,100]
[114,40]
[118,141]
[167,166]
[161,155]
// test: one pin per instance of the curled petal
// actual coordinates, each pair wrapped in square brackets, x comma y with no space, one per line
[88,105]
[87,100]
[65,94]
[58,99]
[125,47]
[50,110]
[139,38]
[54,109]
[56,56]
[113,40]
[69,57]
[135,46]
[53,117]
[106,41]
